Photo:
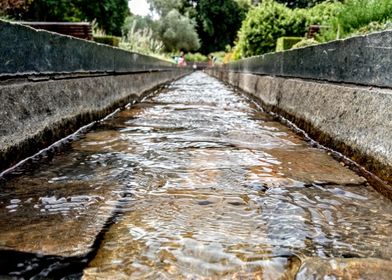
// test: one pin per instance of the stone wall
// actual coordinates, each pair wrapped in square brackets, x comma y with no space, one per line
[51,85]
[362,60]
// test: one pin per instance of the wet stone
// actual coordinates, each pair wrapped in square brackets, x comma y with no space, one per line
[194,183]
[335,268]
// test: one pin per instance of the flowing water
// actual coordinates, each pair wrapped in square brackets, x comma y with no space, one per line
[193,183]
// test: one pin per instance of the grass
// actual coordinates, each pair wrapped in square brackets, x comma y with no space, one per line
[357,14]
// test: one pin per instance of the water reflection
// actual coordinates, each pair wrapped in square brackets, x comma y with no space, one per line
[202,185]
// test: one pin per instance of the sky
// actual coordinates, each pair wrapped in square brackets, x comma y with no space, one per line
[139,7]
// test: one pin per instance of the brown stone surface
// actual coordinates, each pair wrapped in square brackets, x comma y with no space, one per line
[345,269]
[53,218]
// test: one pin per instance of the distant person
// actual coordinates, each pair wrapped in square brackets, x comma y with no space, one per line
[181,60]
[211,60]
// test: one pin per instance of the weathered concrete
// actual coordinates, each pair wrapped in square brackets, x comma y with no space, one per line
[25,50]
[33,115]
[356,121]
[51,85]
[362,60]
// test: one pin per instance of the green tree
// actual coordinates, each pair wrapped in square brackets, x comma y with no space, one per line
[137,23]
[109,14]
[163,7]
[178,32]
[218,23]
[51,10]
[13,8]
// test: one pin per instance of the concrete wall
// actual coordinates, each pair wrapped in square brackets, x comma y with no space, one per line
[24,50]
[51,85]
[353,119]
[362,60]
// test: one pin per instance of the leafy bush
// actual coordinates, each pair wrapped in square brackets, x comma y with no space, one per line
[195,57]
[373,27]
[107,40]
[305,43]
[142,41]
[322,13]
[267,22]
[264,24]
[355,15]
[359,13]
[286,43]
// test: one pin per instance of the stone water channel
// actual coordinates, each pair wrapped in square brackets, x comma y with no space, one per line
[195,182]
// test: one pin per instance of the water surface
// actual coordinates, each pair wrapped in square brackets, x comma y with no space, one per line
[193,183]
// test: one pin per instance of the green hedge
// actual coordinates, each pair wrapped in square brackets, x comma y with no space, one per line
[107,40]
[270,20]
[286,43]
[195,57]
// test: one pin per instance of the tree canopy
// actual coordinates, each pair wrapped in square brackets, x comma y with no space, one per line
[109,14]
[217,21]
[178,32]
[300,3]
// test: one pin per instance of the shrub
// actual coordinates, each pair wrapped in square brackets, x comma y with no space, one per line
[286,43]
[305,43]
[359,13]
[322,13]
[107,40]
[141,41]
[195,57]
[373,27]
[356,15]
[264,24]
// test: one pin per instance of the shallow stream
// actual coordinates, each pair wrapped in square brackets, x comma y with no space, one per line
[193,183]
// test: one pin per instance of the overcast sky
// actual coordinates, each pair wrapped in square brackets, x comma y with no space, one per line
[139,7]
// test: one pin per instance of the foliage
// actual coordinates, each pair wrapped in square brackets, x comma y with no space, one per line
[299,3]
[263,25]
[229,57]
[107,40]
[163,7]
[195,57]
[141,41]
[218,22]
[178,32]
[244,6]
[357,14]
[270,20]
[286,43]
[109,14]
[219,56]
[141,22]
[305,42]
[52,10]
[322,13]
[373,27]
[13,8]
